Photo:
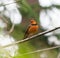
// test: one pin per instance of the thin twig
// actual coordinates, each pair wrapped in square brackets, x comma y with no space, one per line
[3,18]
[41,50]
[11,3]
[27,39]
[11,29]
[6,21]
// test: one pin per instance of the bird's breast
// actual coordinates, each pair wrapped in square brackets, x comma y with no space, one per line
[33,29]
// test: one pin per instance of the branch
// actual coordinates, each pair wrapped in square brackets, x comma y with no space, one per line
[41,50]
[11,29]
[11,3]
[27,39]
[3,18]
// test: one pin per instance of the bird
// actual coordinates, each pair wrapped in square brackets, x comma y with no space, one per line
[32,29]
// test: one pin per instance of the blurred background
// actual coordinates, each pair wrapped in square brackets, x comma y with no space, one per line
[15,16]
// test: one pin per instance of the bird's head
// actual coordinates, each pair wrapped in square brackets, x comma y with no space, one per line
[32,21]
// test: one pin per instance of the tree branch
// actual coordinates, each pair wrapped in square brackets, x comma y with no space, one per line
[11,29]
[41,50]
[27,39]
[5,21]
[3,18]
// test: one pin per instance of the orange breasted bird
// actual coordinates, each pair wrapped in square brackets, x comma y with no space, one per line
[32,29]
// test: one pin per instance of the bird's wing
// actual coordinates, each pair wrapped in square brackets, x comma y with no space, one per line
[27,32]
